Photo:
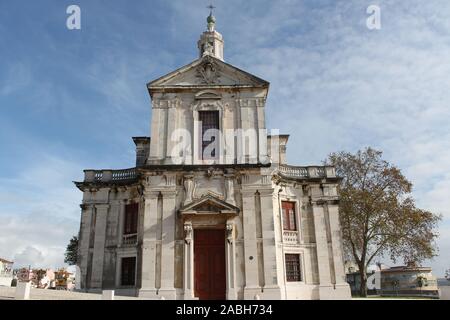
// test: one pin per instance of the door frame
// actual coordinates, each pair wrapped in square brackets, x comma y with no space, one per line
[230,262]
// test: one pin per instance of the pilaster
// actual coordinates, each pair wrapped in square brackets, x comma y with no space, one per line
[99,246]
[231,260]
[271,288]
[87,213]
[342,286]
[188,276]
[252,287]
[326,287]
[167,289]
[148,288]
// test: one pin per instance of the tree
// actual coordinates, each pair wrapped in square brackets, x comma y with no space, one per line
[377,213]
[71,254]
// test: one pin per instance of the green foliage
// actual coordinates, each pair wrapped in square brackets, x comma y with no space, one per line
[71,255]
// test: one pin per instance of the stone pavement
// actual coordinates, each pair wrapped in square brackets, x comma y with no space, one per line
[7,293]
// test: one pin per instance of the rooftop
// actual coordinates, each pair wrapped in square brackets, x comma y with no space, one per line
[5,261]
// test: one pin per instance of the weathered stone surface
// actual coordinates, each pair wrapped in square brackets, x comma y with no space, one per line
[239,192]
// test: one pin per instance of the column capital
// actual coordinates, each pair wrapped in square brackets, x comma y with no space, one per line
[230,231]
[188,232]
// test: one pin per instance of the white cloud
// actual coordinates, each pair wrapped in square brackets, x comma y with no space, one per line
[30,256]
[39,210]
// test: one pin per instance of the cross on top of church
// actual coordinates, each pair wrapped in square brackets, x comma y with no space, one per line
[211,8]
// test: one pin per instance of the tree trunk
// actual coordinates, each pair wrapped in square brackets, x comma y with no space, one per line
[363,283]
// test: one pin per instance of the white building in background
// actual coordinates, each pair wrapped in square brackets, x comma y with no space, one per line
[212,210]
[6,272]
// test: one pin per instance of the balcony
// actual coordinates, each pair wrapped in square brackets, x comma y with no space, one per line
[110,176]
[307,172]
[130,239]
[290,237]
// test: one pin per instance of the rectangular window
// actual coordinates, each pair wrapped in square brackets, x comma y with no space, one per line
[209,120]
[128,271]
[131,218]
[289,219]
[293,270]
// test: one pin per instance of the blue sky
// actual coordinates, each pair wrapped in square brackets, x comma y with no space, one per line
[72,100]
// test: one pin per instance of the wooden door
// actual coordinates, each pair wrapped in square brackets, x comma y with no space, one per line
[209,261]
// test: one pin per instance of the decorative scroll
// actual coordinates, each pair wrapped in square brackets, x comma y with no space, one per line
[229,190]
[230,229]
[189,188]
[188,233]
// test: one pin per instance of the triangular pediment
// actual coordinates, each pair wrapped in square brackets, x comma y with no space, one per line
[209,204]
[207,72]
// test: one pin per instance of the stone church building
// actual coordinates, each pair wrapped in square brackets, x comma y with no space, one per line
[211,210]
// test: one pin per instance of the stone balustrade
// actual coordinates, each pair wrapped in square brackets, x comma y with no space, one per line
[108,176]
[290,237]
[130,239]
[307,172]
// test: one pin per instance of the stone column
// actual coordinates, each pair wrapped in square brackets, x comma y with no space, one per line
[83,251]
[188,276]
[99,246]
[231,261]
[323,259]
[271,288]
[148,288]
[342,287]
[168,246]
[252,287]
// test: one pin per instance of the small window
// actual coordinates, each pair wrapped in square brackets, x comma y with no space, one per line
[293,270]
[209,121]
[128,271]
[289,219]
[131,219]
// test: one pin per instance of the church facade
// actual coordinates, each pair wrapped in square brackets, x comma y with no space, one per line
[211,210]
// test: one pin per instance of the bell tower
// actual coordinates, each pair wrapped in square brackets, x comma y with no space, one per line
[211,41]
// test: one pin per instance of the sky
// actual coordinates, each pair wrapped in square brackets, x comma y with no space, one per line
[72,99]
